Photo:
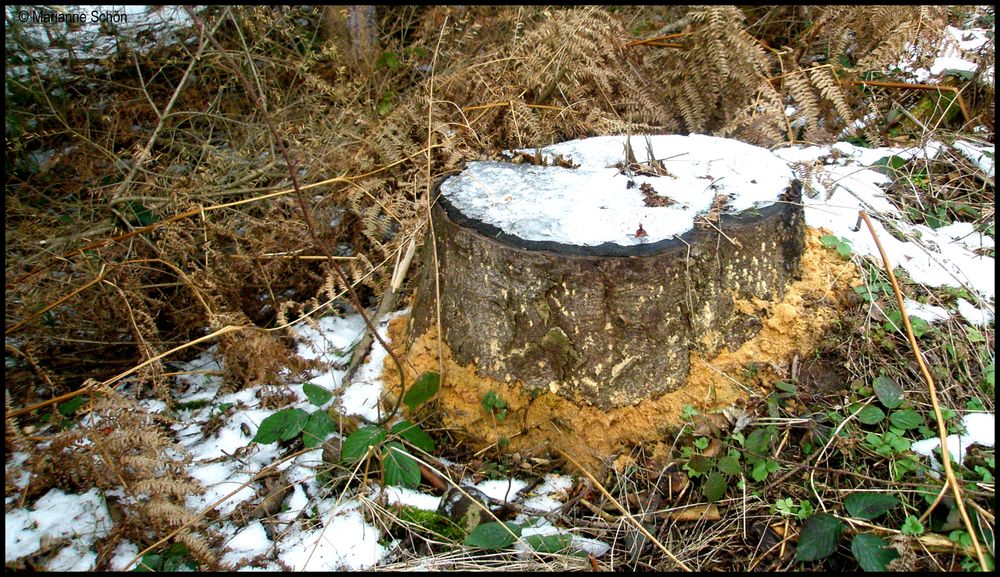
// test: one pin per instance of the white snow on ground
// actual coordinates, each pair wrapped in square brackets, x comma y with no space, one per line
[138,28]
[592,204]
[842,181]
[953,54]
[929,313]
[981,154]
[81,519]
[980,429]
[226,461]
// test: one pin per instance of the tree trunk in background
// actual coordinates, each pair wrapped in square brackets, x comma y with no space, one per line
[354,32]
[608,327]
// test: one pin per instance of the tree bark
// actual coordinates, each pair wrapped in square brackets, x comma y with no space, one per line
[610,325]
[354,32]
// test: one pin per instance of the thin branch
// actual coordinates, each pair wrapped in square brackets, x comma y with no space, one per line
[307,215]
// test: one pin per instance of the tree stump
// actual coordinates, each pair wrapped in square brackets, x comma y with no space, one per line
[609,323]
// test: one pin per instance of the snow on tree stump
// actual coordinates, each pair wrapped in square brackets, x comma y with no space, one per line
[591,269]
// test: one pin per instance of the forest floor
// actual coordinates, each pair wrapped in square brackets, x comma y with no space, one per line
[181,294]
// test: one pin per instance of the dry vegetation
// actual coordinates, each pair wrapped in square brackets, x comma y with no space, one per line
[150,214]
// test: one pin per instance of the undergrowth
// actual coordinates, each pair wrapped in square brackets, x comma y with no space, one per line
[147,207]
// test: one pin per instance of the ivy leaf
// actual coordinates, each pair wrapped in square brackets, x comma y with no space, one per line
[493,535]
[871,415]
[888,392]
[317,427]
[356,445]
[819,537]
[400,468]
[869,505]
[422,389]
[316,394]
[872,552]
[715,487]
[284,425]
[549,543]
[415,435]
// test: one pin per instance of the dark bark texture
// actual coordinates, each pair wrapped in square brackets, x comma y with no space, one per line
[608,326]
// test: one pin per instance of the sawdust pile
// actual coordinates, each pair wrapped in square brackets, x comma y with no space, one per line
[592,435]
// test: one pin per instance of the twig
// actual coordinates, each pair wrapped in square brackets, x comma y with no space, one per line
[942,430]
[430,204]
[307,216]
[625,512]
[146,153]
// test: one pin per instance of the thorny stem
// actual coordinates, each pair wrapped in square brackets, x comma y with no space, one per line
[307,217]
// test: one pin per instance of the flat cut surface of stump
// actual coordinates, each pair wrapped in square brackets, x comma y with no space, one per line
[608,315]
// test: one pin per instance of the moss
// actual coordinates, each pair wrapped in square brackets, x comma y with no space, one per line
[437,525]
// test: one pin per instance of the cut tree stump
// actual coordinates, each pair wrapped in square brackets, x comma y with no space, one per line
[608,324]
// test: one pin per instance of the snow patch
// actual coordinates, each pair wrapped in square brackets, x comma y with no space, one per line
[592,204]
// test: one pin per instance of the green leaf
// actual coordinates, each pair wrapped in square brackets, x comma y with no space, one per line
[284,425]
[759,471]
[872,552]
[759,441]
[888,392]
[317,427]
[400,468]
[889,165]
[150,562]
[729,465]
[715,487]
[415,435]
[912,526]
[388,60]
[357,443]
[919,325]
[869,505]
[701,463]
[422,389]
[819,537]
[549,543]
[906,419]
[384,106]
[143,215]
[494,535]
[871,415]
[786,387]
[316,394]
[68,408]
[965,75]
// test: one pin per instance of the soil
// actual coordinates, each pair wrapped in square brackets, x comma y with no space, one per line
[535,425]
